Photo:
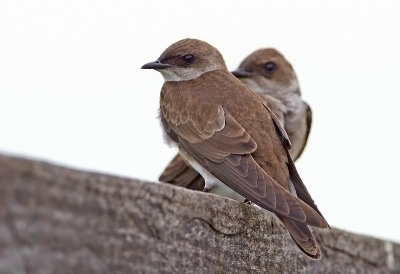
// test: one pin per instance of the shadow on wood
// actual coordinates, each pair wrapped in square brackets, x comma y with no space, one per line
[60,220]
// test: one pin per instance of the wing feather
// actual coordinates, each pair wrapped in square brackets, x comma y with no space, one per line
[233,164]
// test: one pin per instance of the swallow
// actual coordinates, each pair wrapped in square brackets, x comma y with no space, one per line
[228,134]
[267,72]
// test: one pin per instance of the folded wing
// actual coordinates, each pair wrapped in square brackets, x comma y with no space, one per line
[226,151]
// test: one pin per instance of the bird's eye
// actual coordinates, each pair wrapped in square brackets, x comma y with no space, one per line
[269,66]
[188,58]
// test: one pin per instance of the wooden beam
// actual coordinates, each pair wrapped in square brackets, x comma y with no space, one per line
[59,220]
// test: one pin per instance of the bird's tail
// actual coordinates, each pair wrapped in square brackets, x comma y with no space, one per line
[303,237]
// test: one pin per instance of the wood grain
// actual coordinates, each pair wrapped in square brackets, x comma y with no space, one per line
[59,220]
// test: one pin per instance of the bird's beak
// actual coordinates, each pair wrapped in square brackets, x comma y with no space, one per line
[155,65]
[240,73]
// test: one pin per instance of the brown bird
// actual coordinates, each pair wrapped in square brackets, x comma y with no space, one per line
[267,72]
[229,135]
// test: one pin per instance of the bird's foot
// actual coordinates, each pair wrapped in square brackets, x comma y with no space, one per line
[206,189]
[247,201]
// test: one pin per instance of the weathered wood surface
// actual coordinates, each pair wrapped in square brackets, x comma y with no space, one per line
[59,220]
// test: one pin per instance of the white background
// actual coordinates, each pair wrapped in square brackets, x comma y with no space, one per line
[72,92]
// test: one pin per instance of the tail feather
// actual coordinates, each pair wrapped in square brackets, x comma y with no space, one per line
[303,237]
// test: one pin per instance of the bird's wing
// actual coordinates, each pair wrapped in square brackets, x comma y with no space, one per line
[180,173]
[225,150]
[307,133]
[280,130]
[301,190]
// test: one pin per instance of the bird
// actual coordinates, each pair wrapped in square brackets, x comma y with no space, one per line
[228,134]
[267,72]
